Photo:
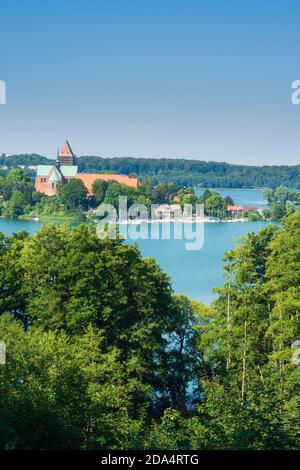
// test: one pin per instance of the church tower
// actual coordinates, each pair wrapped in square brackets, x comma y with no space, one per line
[65,156]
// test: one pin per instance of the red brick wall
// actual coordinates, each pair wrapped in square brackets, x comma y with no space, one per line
[43,186]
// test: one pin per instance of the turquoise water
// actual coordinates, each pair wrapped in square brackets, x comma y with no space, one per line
[194,273]
[244,197]
[9,226]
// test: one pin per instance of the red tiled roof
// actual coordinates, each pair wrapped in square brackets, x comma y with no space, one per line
[235,208]
[89,178]
[241,208]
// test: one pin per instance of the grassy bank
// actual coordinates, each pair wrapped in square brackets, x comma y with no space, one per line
[53,218]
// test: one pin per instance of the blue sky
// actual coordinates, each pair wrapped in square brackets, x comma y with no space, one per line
[209,80]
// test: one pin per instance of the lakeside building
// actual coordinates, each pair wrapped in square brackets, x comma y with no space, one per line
[49,178]
[239,211]
[89,178]
[168,211]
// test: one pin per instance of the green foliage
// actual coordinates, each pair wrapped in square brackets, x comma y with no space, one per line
[251,398]
[58,392]
[99,191]
[253,216]
[50,205]
[65,279]
[24,159]
[162,193]
[281,201]
[183,172]
[19,198]
[186,172]
[115,190]
[73,195]
[176,372]
[215,206]
[18,193]
[145,194]
[102,355]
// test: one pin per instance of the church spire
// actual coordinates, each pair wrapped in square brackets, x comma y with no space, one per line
[66,155]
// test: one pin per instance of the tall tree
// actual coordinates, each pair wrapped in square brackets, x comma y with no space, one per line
[73,195]
[99,190]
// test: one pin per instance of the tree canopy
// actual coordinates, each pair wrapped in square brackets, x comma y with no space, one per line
[185,172]
[102,355]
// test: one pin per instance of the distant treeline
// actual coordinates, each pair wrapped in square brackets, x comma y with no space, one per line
[25,159]
[180,171]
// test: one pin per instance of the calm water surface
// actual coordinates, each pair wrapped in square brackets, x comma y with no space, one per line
[9,226]
[244,197]
[194,273]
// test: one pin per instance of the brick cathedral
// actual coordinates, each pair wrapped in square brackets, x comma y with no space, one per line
[49,178]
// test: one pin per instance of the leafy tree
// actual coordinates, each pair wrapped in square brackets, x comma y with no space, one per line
[65,279]
[146,188]
[115,190]
[18,193]
[250,397]
[229,201]
[206,194]
[73,195]
[281,201]
[102,355]
[58,392]
[215,206]
[162,193]
[184,172]
[176,373]
[253,216]
[282,287]
[99,190]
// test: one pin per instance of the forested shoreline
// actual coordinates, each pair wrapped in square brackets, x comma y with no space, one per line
[180,171]
[19,198]
[97,359]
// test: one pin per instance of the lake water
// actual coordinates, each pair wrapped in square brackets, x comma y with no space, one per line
[244,197]
[9,226]
[194,273]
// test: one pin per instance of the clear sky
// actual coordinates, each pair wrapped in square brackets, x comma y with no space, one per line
[209,80]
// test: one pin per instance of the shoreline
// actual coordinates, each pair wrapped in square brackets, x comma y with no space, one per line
[184,221]
[190,220]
